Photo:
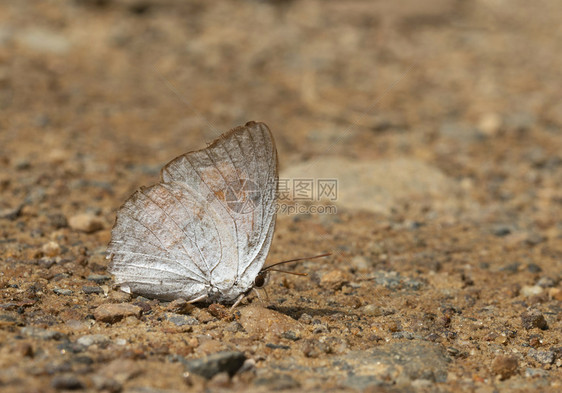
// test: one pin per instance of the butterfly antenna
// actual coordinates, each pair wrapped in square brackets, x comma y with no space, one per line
[288,272]
[295,260]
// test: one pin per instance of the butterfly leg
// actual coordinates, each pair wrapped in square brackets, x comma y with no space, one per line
[257,291]
[238,300]
[266,294]
[198,299]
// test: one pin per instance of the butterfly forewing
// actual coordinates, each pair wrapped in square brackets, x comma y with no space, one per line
[207,226]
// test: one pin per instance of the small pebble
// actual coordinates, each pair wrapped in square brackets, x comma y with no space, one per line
[290,335]
[543,357]
[51,249]
[220,380]
[233,327]
[182,320]
[114,312]
[513,290]
[121,370]
[219,311]
[557,352]
[406,335]
[533,239]
[66,382]
[58,220]
[372,310]
[263,322]
[528,290]
[490,123]
[305,318]
[83,360]
[277,346]
[533,319]
[119,297]
[63,291]
[93,339]
[546,282]
[70,347]
[87,289]
[555,293]
[85,222]
[392,326]
[195,382]
[278,382]
[77,324]
[310,349]
[453,351]
[534,268]
[535,340]
[535,372]
[98,278]
[433,337]
[44,334]
[360,263]
[143,303]
[180,306]
[104,384]
[334,280]
[505,366]
[511,268]
[335,344]
[11,213]
[25,350]
[320,329]
[204,316]
[208,367]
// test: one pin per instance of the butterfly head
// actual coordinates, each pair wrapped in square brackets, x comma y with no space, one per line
[262,279]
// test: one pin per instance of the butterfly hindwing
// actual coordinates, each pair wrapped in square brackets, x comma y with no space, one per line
[207,226]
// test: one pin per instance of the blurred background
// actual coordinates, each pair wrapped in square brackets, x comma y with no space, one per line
[99,94]
[94,88]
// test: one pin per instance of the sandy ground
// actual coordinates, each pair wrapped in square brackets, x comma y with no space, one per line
[441,122]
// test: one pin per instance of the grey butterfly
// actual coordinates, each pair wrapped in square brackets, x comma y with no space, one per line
[203,232]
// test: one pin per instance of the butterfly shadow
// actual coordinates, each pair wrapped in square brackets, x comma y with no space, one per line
[296,312]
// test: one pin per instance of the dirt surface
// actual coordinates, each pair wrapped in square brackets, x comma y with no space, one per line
[441,121]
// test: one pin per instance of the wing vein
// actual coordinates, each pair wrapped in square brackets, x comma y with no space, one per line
[163,245]
[209,188]
[178,226]
[187,211]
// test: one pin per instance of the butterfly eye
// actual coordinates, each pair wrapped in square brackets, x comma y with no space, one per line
[260,280]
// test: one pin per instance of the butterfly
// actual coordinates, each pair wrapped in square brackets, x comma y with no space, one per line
[204,231]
